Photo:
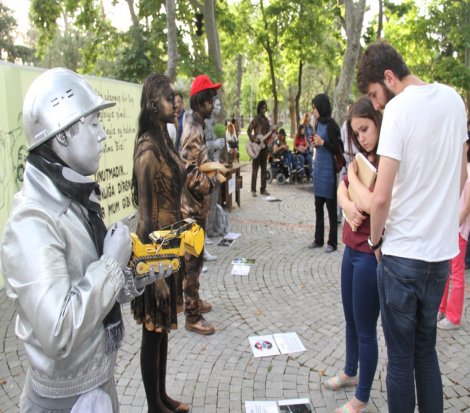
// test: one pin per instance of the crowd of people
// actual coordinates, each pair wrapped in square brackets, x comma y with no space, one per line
[68,274]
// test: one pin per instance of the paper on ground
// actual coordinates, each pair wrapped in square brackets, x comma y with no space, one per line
[263,346]
[261,407]
[274,344]
[242,260]
[240,269]
[288,343]
[282,406]
[231,235]
[293,405]
[226,242]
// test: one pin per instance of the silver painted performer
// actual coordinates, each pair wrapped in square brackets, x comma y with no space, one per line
[63,269]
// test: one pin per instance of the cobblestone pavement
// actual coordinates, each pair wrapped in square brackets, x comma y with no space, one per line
[289,289]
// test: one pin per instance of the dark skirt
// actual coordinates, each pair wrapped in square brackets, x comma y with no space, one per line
[145,311]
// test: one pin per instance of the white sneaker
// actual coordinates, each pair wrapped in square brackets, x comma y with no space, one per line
[445,324]
[209,257]
[204,269]
[208,241]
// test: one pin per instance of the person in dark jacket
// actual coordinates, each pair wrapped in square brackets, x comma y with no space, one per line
[326,140]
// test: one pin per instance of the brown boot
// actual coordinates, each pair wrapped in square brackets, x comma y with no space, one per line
[201,327]
[204,307]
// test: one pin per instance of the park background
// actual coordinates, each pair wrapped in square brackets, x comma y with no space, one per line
[278,50]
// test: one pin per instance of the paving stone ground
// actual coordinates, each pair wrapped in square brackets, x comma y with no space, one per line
[290,289]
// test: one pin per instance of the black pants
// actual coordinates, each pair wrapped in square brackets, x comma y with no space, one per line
[320,226]
[259,163]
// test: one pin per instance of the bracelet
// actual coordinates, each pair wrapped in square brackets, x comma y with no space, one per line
[373,246]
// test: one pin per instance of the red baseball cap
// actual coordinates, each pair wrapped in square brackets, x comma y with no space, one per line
[202,82]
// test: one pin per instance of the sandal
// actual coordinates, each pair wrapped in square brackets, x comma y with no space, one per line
[348,408]
[335,383]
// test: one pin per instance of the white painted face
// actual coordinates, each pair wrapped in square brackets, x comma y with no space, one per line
[83,150]
[217,106]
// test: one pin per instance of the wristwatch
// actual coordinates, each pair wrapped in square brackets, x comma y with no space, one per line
[373,246]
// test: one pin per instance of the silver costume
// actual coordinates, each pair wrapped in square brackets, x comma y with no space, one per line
[48,256]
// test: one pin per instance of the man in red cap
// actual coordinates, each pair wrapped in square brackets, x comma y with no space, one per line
[196,200]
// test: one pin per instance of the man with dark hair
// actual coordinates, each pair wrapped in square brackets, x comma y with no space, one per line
[414,217]
[257,129]
[180,115]
[196,199]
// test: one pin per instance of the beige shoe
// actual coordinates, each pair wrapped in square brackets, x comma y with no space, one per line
[201,327]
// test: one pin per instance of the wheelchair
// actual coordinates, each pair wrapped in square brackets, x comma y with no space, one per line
[278,170]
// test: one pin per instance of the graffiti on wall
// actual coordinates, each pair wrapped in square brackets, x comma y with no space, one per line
[119,123]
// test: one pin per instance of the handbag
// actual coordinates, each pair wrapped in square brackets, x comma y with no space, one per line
[338,158]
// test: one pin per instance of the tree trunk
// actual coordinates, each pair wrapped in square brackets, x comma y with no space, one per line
[135,20]
[299,92]
[293,111]
[173,57]
[269,51]
[380,23]
[212,36]
[354,19]
[213,44]
[238,98]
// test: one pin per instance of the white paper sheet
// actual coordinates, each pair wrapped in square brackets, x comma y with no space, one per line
[288,343]
[261,407]
[240,269]
[263,346]
[231,235]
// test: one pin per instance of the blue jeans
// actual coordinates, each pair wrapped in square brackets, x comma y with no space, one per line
[410,292]
[309,160]
[361,311]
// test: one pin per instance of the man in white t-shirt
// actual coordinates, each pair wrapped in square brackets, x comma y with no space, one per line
[416,207]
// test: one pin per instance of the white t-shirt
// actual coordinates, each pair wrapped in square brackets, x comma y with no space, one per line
[424,127]
[171,131]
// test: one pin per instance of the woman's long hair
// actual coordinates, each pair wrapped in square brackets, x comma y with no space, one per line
[231,128]
[299,130]
[362,108]
[149,125]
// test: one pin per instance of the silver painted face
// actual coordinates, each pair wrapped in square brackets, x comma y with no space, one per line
[83,150]
[55,100]
[217,106]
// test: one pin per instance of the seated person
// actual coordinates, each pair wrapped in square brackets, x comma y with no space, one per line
[281,151]
[302,148]
[232,142]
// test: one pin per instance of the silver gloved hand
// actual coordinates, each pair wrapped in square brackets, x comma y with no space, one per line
[135,285]
[218,143]
[117,244]
[142,281]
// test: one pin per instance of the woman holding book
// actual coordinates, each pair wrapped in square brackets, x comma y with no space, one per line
[358,270]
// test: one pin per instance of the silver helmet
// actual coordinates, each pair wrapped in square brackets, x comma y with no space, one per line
[56,100]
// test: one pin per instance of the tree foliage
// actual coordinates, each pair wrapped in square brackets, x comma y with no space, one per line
[284,51]
[8,49]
